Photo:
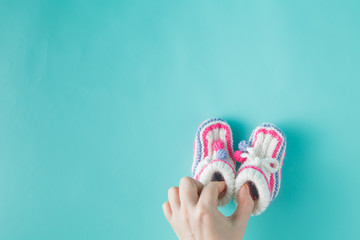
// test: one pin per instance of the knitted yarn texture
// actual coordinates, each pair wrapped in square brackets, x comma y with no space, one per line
[262,160]
[213,156]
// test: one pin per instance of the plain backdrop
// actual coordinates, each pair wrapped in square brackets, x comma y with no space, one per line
[100,102]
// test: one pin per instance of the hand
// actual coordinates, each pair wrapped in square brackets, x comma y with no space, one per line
[193,214]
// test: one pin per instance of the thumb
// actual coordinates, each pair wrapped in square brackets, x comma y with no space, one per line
[244,208]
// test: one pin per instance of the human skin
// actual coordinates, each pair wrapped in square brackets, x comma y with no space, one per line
[193,214]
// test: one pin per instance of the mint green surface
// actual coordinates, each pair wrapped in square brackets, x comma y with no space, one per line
[100,101]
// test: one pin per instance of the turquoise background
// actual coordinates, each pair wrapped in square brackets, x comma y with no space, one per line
[100,101]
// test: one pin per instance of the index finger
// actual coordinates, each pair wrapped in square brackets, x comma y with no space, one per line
[210,193]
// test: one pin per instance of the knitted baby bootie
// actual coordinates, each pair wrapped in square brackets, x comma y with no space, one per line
[261,163]
[213,156]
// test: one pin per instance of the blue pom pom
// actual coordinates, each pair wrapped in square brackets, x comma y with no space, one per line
[221,154]
[243,145]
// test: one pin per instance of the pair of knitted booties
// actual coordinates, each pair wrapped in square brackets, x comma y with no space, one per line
[261,161]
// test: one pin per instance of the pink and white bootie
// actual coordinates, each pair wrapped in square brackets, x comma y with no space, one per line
[262,159]
[213,156]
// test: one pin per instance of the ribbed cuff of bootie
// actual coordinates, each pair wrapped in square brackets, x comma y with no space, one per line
[219,167]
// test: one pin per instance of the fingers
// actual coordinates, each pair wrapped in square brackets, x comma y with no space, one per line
[174,199]
[189,191]
[199,185]
[244,208]
[167,210]
[210,193]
